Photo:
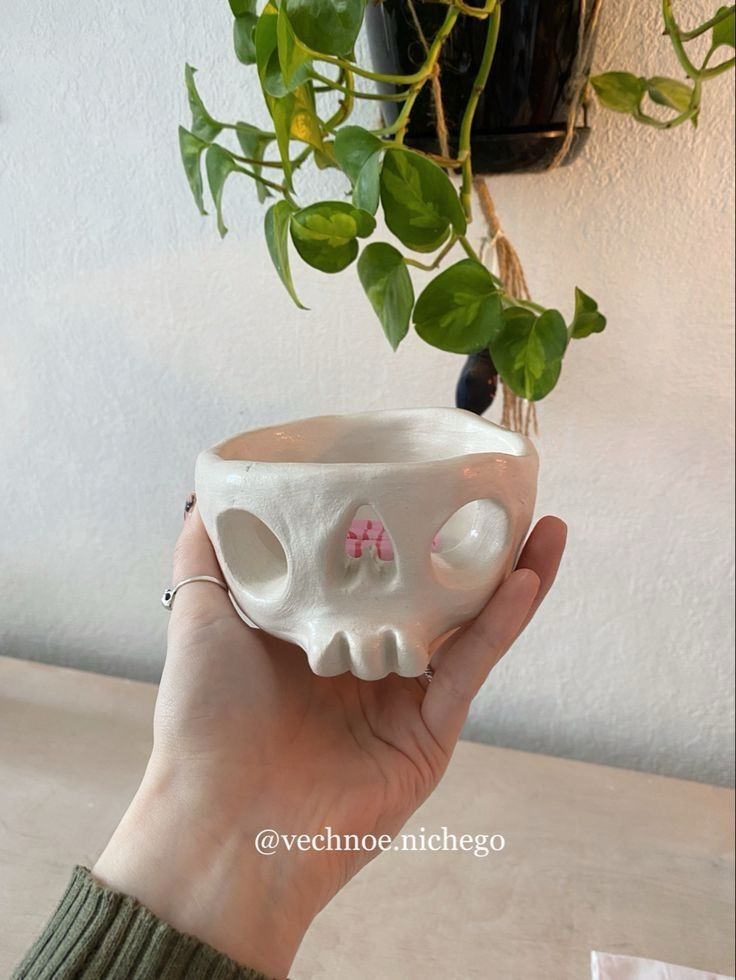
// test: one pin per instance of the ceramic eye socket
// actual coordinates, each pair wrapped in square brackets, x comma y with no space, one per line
[253,554]
[469,543]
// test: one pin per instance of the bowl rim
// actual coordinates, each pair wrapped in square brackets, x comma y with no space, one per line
[527,450]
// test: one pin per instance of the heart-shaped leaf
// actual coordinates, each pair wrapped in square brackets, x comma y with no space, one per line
[304,124]
[254,142]
[327,26]
[619,90]
[219,164]
[325,234]
[278,219]
[359,154]
[387,283]
[244,27]
[293,59]
[670,92]
[267,53]
[587,319]
[460,309]
[419,200]
[353,146]
[724,32]
[528,350]
[191,148]
[294,117]
[203,125]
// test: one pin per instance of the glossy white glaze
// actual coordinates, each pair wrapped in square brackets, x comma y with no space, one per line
[278,502]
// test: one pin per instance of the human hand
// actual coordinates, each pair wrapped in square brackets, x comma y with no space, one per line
[246,737]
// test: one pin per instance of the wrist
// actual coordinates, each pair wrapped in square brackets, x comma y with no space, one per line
[202,874]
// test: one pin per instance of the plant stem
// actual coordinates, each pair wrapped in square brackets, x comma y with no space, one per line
[481,13]
[418,77]
[346,104]
[678,37]
[717,69]
[332,86]
[671,28]
[257,163]
[468,248]
[266,183]
[430,267]
[713,22]
[464,145]
[399,127]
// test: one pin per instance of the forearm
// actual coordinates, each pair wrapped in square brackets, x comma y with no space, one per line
[202,874]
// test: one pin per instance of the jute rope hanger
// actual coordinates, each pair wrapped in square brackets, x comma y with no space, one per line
[516,412]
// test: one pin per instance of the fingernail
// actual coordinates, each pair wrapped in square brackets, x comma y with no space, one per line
[189,505]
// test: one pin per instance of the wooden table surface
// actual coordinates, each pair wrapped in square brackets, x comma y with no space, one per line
[596,858]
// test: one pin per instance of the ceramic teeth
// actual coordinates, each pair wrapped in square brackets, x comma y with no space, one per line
[370,658]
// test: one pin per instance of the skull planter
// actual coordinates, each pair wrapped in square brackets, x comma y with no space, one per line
[363,538]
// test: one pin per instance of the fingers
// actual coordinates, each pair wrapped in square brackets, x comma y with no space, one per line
[194,555]
[542,553]
[465,666]
[463,662]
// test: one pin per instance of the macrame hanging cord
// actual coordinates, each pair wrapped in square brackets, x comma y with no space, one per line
[517,413]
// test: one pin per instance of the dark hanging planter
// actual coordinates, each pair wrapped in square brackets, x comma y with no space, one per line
[522,116]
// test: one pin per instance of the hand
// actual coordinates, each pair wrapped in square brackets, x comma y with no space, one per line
[246,737]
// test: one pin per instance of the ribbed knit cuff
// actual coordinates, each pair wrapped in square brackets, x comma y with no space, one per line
[97,933]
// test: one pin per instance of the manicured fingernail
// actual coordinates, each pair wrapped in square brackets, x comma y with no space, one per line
[189,505]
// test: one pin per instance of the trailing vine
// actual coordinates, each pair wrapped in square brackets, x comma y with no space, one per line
[302,55]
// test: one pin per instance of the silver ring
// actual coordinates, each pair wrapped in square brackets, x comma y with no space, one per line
[429,672]
[167,599]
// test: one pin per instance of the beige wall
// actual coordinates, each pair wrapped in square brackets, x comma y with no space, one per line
[132,337]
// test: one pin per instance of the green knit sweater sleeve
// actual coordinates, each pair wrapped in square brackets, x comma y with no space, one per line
[98,933]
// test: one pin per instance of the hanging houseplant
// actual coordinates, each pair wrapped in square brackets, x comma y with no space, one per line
[301,53]
[522,116]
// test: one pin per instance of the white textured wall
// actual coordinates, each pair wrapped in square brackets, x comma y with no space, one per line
[132,338]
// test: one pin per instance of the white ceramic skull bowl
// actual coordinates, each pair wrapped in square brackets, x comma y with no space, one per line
[364,538]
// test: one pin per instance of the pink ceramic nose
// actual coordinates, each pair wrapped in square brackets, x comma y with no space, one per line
[365,532]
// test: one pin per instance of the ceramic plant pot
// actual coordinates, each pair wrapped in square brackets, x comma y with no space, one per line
[522,115]
[362,538]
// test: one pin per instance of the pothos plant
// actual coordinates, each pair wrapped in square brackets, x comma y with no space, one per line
[302,53]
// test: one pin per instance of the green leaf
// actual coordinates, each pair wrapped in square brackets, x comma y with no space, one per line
[244,37]
[327,26]
[278,219]
[528,351]
[304,122]
[294,117]
[240,7]
[267,53]
[325,158]
[367,189]
[203,125]
[293,113]
[325,234]
[724,33]
[191,148]
[587,319]
[359,154]
[254,142]
[619,90]
[219,164]
[669,92]
[460,309]
[419,200]
[387,283]
[293,59]
[353,147]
